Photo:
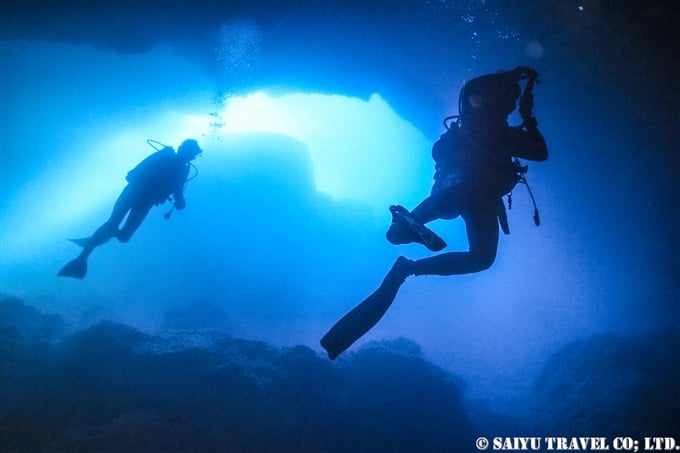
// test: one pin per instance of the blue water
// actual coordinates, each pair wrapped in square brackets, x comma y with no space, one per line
[201,333]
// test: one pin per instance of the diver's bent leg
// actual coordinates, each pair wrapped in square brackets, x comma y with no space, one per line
[441,205]
[100,236]
[110,228]
[482,231]
[134,220]
[452,263]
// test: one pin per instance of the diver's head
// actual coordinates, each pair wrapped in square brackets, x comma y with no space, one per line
[489,97]
[189,149]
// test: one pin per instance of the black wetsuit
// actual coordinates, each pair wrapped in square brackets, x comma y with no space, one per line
[150,183]
[474,169]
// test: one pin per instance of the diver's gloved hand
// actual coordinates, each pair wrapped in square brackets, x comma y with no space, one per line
[525,73]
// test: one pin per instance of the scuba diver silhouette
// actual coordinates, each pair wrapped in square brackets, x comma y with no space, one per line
[475,166]
[160,177]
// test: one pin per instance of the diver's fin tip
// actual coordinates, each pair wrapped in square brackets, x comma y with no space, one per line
[76,268]
[80,241]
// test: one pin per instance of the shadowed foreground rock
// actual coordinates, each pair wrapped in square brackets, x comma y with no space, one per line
[113,388]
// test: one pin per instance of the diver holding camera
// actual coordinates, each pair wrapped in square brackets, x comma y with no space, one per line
[475,166]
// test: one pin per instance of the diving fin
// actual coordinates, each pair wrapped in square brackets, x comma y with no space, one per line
[364,316]
[76,268]
[81,242]
[405,228]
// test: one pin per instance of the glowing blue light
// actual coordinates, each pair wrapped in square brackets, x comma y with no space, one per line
[360,150]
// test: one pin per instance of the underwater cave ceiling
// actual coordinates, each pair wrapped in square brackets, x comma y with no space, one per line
[358,47]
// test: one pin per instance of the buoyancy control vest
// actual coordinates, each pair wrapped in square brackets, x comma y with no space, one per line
[159,175]
[474,165]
